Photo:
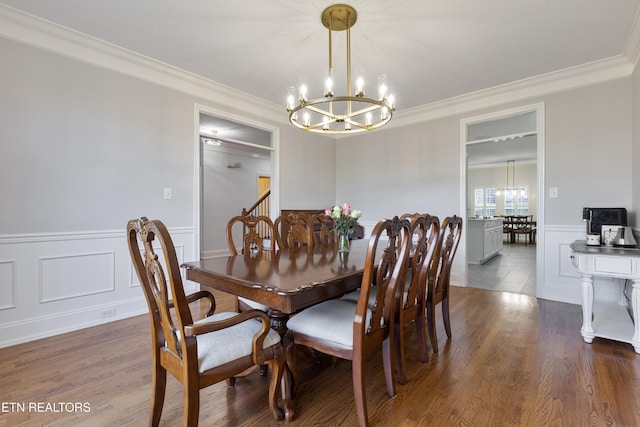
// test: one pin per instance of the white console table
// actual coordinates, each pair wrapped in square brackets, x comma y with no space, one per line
[602,319]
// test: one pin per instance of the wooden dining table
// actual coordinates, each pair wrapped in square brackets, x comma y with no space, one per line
[287,281]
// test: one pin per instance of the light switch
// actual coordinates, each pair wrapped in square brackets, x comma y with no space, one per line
[167,193]
[553,192]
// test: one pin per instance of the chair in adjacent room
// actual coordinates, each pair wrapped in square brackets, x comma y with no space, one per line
[254,231]
[351,331]
[201,353]
[439,275]
[424,231]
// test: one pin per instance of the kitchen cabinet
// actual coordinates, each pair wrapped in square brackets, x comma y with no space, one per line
[484,239]
[611,320]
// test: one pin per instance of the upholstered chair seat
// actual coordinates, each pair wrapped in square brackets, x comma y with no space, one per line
[237,341]
[250,304]
[330,321]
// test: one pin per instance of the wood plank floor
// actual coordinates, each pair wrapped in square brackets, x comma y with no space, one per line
[513,360]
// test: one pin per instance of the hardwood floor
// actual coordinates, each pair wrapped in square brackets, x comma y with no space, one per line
[513,360]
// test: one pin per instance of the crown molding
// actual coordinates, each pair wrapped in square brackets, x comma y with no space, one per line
[46,35]
[570,78]
[632,44]
[34,31]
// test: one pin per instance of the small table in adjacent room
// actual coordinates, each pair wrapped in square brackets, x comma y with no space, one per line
[602,319]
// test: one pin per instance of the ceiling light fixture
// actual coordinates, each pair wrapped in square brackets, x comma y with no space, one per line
[213,142]
[511,190]
[344,114]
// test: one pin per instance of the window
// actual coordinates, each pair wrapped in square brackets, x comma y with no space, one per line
[517,202]
[484,202]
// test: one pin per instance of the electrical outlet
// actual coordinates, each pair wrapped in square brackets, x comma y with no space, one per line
[167,193]
[105,314]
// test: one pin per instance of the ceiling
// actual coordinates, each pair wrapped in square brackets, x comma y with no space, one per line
[431,50]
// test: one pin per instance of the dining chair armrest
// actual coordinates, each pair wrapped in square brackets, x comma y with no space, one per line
[258,338]
[198,296]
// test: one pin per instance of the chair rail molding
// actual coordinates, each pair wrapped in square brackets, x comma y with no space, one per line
[52,283]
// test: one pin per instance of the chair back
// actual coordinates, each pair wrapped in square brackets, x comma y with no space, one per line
[446,247]
[385,270]
[252,239]
[162,291]
[424,232]
[293,230]
[324,229]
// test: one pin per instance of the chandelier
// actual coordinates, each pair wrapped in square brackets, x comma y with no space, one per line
[511,190]
[342,114]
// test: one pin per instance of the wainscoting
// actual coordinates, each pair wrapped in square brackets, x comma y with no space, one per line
[55,283]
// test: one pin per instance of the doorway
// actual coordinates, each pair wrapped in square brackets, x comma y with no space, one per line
[235,158]
[502,169]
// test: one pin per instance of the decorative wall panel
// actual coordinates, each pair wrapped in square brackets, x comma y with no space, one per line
[7,284]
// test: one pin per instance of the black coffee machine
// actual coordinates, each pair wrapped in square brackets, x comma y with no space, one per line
[597,217]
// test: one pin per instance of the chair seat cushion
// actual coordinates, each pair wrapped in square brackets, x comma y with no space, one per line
[355,296]
[220,347]
[254,304]
[330,321]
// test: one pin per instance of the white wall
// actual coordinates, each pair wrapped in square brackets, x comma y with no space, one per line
[417,168]
[84,149]
[225,192]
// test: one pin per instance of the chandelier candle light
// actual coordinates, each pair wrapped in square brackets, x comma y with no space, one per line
[350,113]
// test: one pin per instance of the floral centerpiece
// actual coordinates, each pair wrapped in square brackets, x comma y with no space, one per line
[345,219]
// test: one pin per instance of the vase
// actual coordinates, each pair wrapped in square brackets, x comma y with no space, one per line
[343,242]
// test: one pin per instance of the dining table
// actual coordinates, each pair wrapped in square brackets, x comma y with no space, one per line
[286,281]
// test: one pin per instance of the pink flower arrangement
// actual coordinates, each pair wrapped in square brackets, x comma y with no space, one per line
[345,218]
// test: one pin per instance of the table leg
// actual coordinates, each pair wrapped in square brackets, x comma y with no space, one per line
[279,324]
[587,307]
[635,306]
[279,321]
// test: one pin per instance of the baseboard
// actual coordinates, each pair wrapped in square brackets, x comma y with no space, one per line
[46,326]
[214,253]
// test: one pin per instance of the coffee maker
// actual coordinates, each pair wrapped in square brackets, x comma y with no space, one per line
[597,217]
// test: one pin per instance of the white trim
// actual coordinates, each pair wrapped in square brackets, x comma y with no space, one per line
[36,314]
[6,239]
[520,91]
[217,253]
[47,35]
[25,330]
[632,45]
[539,109]
[42,279]
[14,284]
[274,160]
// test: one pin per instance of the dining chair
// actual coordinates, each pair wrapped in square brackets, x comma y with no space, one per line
[254,230]
[293,230]
[424,234]
[350,331]
[324,229]
[439,275]
[201,353]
